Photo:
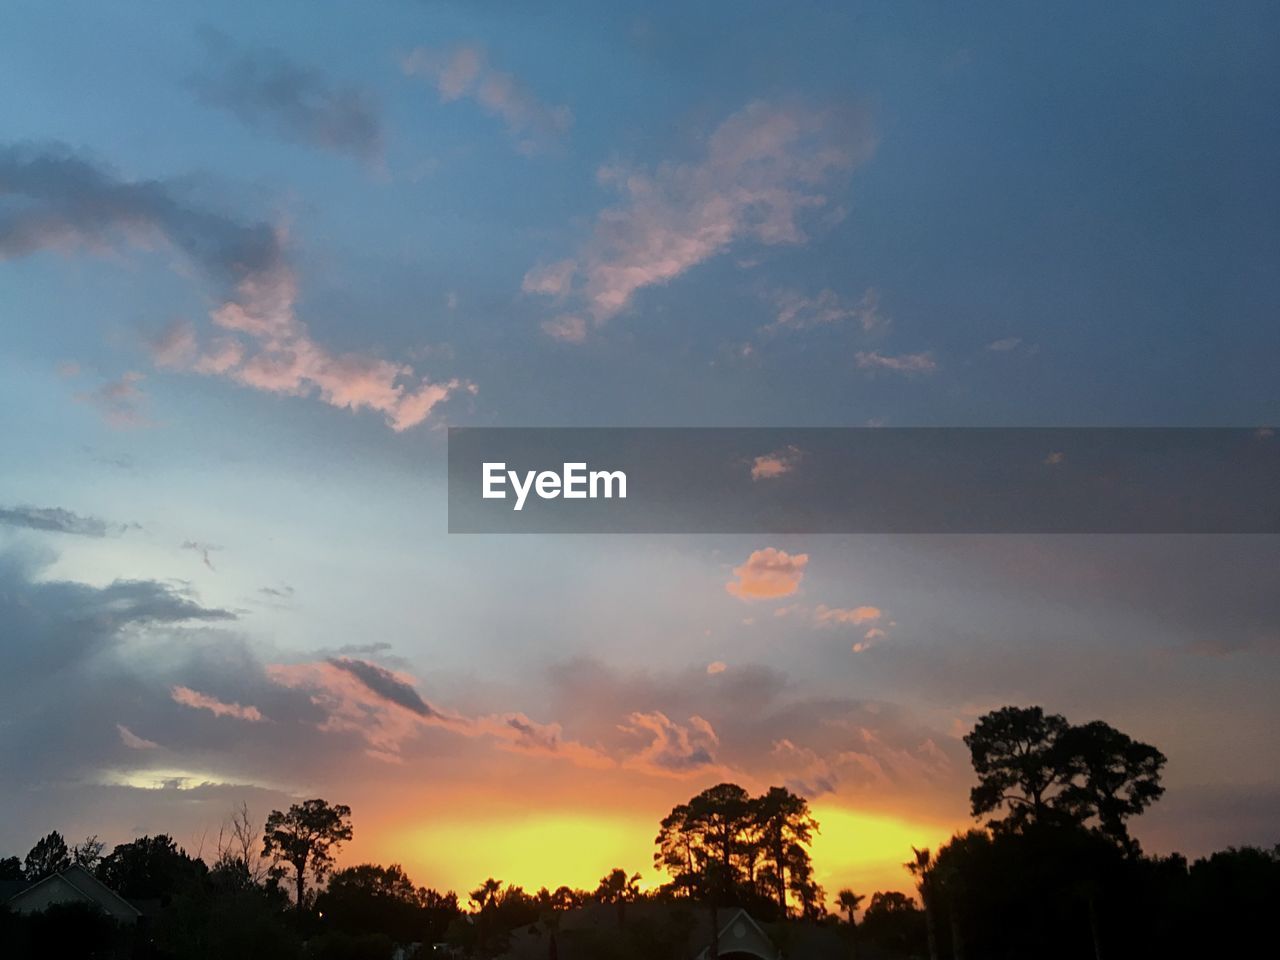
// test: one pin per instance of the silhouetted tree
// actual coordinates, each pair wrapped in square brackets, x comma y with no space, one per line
[10,868]
[47,857]
[369,899]
[786,828]
[150,868]
[618,888]
[88,853]
[1043,770]
[305,838]
[1112,777]
[849,902]
[1015,755]
[894,923]
[920,866]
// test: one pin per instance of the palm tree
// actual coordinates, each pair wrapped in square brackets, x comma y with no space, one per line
[484,896]
[617,887]
[921,867]
[486,893]
[849,901]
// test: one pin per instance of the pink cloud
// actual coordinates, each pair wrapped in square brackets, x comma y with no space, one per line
[716,666]
[567,327]
[202,701]
[465,71]
[551,280]
[383,707]
[768,574]
[762,171]
[132,740]
[268,348]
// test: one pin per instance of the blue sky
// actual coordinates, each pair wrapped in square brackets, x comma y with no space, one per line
[254,257]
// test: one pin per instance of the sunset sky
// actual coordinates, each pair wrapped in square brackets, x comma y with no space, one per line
[254,258]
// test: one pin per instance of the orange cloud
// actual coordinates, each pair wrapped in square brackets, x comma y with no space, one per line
[775,464]
[673,750]
[202,701]
[768,574]
[869,639]
[825,616]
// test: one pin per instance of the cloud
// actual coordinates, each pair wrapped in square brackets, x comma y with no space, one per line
[516,732]
[673,750]
[133,741]
[386,711]
[768,574]
[1005,345]
[204,549]
[465,71]
[716,666]
[387,685]
[1055,458]
[825,616]
[59,520]
[551,280]
[798,312]
[57,200]
[869,640]
[119,401]
[268,92]
[567,327]
[772,465]
[202,701]
[762,172]
[905,363]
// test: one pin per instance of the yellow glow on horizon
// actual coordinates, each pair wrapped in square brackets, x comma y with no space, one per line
[855,849]
[866,851]
[541,849]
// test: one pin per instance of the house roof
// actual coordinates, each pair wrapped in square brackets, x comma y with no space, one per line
[81,885]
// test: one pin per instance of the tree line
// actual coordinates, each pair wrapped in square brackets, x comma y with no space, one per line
[1053,871]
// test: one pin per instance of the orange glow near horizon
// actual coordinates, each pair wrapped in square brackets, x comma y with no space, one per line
[864,851]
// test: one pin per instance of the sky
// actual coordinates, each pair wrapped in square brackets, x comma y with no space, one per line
[255,258]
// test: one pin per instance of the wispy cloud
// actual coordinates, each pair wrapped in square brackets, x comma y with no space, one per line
[68,202]
[797,311]
[269,92]
[119,401]
[904,363]
[825,616]
[466,72]
[59,520]
[762,171]
[203,701]
[133,741]
[204,549]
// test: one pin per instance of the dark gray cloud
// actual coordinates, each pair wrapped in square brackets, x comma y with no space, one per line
[270,93]
[60,520]
[386,685]
[50,196]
